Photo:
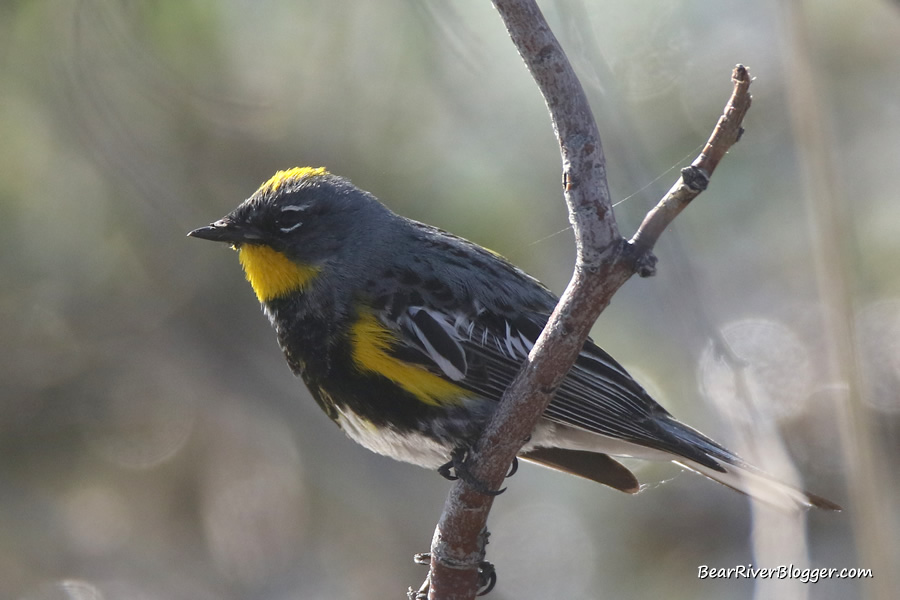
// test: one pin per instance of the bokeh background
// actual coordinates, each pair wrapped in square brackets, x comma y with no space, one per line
[153,445]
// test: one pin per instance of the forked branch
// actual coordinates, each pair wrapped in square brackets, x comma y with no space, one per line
[604,262]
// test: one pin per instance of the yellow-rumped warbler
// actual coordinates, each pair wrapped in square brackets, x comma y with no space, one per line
[407,336]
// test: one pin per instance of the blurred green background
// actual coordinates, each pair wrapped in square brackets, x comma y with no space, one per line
[154,444]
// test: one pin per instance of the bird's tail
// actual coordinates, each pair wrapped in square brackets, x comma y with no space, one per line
[749,480]
[730,470]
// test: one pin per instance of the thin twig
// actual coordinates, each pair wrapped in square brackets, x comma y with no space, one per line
[695,178]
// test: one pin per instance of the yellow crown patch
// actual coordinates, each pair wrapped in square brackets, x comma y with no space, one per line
[279,179]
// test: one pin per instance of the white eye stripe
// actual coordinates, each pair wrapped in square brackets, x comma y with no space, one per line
[293,208]
[291,228]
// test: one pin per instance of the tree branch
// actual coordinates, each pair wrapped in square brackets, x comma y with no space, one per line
[604,261]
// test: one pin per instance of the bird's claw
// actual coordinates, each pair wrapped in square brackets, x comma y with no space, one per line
[487,578]
[513,467]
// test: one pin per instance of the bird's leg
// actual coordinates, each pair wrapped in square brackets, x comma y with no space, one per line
[447,469]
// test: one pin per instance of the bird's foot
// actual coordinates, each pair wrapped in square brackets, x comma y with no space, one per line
[457,468]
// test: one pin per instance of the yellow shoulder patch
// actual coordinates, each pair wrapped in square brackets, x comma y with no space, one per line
[371,342]
[271,273]
[279,179]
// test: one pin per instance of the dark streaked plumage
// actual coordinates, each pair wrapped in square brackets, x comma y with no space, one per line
[407,336]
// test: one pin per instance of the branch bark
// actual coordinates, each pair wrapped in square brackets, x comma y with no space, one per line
[604,261]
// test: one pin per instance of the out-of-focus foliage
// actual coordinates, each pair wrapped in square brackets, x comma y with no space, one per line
[155,446]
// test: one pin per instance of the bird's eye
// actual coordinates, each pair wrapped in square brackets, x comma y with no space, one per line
[290,218]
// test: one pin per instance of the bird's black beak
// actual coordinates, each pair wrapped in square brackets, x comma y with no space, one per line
[224,230]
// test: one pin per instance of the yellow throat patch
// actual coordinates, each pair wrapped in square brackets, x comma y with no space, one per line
[271,273]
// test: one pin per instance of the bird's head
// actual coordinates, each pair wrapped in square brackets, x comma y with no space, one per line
[291,227]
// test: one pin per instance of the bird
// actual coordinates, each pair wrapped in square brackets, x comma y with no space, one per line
[406,336]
